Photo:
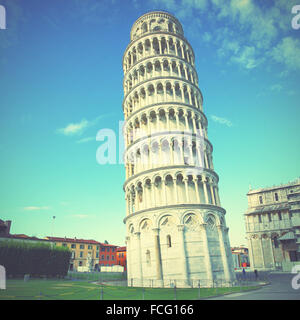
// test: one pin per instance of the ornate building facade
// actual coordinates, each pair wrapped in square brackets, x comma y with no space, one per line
[273,226]
[175,224]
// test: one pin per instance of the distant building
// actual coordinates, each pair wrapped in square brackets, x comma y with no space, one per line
[273,226]
[85,253]
[6,235]
[108,255]
[81,251]
[4,227]
[240,257]
[121,257]
[88,251]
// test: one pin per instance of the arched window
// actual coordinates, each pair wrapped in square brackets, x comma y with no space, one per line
[169,242]
[276,196]
[144,27]
[210,222]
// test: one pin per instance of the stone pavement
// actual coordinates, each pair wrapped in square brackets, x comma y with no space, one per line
[280,288]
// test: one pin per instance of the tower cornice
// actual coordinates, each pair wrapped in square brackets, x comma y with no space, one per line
[191,206]
[166,103]
[164,134]
[166,168]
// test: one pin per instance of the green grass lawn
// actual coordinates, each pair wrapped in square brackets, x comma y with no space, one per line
[37,289]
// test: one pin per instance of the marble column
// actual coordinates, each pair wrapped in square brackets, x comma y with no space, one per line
[186,185]
[153,194]
[251,252]
[139,262]
[272,251]
[164,187]
[212,194]
[175,189]
[262,251]
[205,191]
[157,254]
[182,253]
[223,254]
[196,189]
[207,258]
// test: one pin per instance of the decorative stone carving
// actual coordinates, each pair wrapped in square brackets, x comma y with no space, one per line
[191,222]
[146,225]
[167,222]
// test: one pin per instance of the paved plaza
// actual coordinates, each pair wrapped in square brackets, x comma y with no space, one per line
[280,288]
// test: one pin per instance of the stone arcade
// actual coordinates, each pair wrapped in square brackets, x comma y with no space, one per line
[273,226]
[176,230]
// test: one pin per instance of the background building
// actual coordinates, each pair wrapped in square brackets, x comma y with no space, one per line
[88,252]
[240,257]
[83,251]
[273,226]
[89,255]
[4,227]
[6,235]
[121,257]
[107,255]
[175,223]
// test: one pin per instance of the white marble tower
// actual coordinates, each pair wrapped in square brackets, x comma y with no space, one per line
[175,224]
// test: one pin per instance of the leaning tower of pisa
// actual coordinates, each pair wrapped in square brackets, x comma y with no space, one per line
[176,230]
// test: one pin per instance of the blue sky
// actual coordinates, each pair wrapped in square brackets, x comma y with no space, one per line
[61,82]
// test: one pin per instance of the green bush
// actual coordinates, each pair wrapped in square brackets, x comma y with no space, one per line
[37,259]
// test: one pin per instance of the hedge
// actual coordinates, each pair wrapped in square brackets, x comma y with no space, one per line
[37,259]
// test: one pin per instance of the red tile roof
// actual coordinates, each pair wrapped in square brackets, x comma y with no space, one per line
[121,249]
[57,239]
[107,245]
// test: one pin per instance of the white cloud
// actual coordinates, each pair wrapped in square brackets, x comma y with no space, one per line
[182,9]
[78,128]
[228,47]
[195,4]
[84,140]
[64,203]
[206,37]
[276,87]
[244,31]
[80,216]
[287,52]
[220,120]
[169,4]
[74,128]
[247,58]
[35,208]
[291,93]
